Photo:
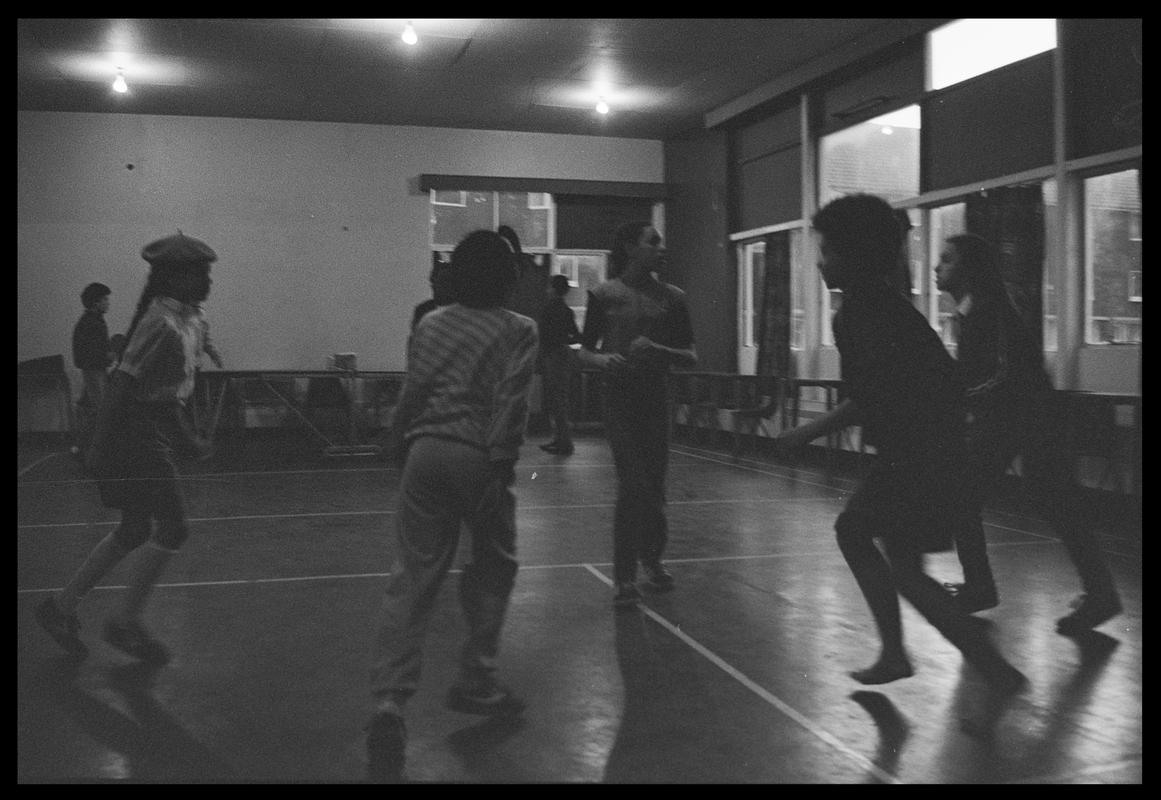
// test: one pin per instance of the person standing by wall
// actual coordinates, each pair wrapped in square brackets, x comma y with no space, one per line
[902,388]
[140,423]
[458,426]
[558,330]
[636,328]
[1014,411]
[92,356]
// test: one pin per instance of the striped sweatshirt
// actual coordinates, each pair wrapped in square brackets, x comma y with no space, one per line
[468,375]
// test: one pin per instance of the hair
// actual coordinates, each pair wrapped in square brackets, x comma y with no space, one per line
[483,270]
[560,284]
[94,292]
[624,237]
[161,283]
[864,229]
[980,264]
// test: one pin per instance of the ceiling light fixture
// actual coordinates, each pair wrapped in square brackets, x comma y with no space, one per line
[409,35]
[119,84]
[602,106]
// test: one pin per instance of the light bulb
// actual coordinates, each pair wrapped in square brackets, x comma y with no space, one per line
[119,84]
[602,106]
[409,34]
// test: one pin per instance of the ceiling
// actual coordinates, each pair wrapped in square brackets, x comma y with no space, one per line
[659,76]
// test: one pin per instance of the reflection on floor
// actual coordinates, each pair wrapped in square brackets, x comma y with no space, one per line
[738,676]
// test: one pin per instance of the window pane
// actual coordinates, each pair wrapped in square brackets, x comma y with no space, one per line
[449,224]
[880,156]
[585,271]
[798,295]
[1049,302]
[946,221]
[1112,206]
[527,214]
[969,47]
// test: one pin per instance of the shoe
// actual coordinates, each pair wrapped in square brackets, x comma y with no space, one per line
[1089,611]
[386,747]
[657,577]
[130,637]
[62,627]
[488,700]
[971,598]
[557,449]
[627,596]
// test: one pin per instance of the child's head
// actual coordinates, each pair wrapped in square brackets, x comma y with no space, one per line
[483,270]
[558,285]
[94,294]
[969,265]
[860,239]
[180,267]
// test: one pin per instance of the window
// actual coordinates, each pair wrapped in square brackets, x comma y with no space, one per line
[585,270]
[454,214]
[969,47]
[880,157]
[751,283]
[1112,258]
[943,223]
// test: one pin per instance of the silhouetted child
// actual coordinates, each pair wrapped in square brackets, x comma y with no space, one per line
[1013,412]
[902,388]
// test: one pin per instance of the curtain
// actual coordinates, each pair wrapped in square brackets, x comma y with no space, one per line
[1012,219]
[774,315]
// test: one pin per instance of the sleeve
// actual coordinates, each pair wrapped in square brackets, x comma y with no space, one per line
[152,343]
[414,389]
[511,399]
[595,323]
[574,334]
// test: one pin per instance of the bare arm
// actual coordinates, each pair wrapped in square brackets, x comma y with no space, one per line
[847,413]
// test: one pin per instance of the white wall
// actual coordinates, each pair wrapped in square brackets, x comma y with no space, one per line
[321,233]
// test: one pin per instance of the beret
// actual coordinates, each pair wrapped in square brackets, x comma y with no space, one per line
[178,249]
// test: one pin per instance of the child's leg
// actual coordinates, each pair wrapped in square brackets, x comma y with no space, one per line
[427,531]
[874,576]
[486,583]
[941,610]
[133,530]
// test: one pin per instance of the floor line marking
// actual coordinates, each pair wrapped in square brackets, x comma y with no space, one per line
[38,462]
[1095,770]
[772,699]
[521,568]
[764,471]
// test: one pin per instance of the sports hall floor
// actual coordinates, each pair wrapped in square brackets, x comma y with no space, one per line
[738,676]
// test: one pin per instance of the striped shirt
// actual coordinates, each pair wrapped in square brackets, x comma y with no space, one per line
[468,375]
[163,354]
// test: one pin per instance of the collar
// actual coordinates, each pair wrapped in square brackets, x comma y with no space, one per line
[178,307]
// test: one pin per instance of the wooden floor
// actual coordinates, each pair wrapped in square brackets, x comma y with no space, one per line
[738,676]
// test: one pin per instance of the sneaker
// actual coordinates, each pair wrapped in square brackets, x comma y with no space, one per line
[62,627]
[386,747]
[130,637]
[627,596]
[970,598]
[657,577]
[488,700]
[1089,611]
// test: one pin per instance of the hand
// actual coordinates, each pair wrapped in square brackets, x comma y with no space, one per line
[615,363]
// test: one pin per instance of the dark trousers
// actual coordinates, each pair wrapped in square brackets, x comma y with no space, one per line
[1032,428]
[637,424]
[558,369]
